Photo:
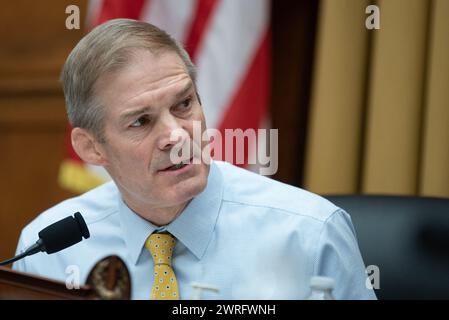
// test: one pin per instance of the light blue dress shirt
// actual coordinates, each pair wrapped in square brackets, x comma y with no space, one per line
[248,235]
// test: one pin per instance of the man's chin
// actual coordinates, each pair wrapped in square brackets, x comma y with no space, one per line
[185,190]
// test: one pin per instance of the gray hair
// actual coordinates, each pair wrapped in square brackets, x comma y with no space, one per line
[108,48]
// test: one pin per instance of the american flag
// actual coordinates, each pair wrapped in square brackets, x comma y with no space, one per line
[229,42]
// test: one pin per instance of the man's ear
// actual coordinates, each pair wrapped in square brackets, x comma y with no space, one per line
[87,147]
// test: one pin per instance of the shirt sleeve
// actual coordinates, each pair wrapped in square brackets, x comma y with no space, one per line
[338,257]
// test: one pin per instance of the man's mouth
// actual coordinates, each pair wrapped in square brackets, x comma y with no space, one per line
[178,166]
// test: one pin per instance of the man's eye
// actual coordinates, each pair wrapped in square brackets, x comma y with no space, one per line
[140,122]
[186,103]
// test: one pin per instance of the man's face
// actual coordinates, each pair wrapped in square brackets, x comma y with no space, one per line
[145,102]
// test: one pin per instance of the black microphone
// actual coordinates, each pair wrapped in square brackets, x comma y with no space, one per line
[56,237]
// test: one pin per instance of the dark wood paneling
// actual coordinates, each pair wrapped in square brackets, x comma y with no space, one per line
[34,45]
[294,27]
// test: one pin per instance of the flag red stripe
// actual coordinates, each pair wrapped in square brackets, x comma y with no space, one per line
[201,18]
[249,104]
[113,9]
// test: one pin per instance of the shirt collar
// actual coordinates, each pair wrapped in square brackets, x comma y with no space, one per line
[193,227]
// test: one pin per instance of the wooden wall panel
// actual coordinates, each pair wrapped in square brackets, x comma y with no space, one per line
[34,43]
[294,29]
[33,46]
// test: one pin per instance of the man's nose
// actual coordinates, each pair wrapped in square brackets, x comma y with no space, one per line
[171,133]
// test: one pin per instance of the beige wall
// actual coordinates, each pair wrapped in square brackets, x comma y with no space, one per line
[379,117]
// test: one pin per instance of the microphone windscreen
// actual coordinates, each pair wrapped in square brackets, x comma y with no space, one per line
[63,234]
[82,224]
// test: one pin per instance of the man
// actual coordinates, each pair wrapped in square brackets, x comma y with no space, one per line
[128,87]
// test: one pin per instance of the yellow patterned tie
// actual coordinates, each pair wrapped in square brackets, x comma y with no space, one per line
[165,285]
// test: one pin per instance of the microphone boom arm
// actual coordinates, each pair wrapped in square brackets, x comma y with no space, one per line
[35,248]
[57,236]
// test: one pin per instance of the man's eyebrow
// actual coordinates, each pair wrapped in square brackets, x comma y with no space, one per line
[184,91]
[147,109]
[134,113]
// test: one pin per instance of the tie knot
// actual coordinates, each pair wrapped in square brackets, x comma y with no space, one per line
[161,247]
